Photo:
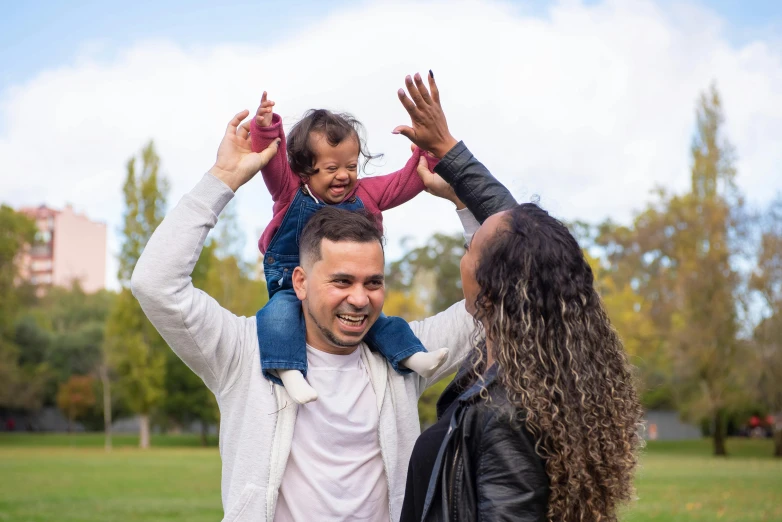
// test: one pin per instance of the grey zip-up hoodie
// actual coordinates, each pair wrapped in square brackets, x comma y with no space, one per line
[258,418]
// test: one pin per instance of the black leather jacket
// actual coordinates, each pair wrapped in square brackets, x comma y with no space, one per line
[473,183]
[487,468]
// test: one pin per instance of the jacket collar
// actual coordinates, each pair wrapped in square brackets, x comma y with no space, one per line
[489,377]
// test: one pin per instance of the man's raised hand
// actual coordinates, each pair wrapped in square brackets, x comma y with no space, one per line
[429,130]
[263,116]
[236,162]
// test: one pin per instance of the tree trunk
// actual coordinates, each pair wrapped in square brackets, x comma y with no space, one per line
[204,432]
[69,423]
[719,435]
[104,377]
[143,442]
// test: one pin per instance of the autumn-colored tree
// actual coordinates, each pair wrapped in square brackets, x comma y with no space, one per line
[403,305]
[678,257]
[430,272]
[75,397]
[766,355]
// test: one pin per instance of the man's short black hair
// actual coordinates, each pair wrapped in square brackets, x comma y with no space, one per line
[336,224]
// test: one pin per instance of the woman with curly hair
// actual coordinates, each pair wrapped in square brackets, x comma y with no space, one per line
[542,424]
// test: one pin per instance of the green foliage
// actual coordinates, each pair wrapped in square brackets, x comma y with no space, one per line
[62,334]
[187,399]
[135,350]
[145,206]
[22,381]
[33,339]
[66,330]
[431,272]
[137,354]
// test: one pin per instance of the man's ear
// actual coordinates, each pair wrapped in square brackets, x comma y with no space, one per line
[300,283]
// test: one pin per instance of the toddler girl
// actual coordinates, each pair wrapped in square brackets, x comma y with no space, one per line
[322,169]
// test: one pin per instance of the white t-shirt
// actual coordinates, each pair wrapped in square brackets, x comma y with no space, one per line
[335,470]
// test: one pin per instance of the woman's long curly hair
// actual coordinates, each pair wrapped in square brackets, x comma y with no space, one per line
[561,363]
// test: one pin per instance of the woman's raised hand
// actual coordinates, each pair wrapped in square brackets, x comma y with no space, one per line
[429,130]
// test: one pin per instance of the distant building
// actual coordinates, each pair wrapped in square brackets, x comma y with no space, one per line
[68,246]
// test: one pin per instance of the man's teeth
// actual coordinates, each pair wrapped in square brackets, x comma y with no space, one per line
[352,319]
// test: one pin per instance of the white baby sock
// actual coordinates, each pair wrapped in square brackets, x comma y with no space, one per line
[425,363]
[297,387]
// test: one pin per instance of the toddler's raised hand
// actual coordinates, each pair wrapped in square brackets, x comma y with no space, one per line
[263,116]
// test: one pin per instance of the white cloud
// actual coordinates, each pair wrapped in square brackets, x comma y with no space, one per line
[589,107]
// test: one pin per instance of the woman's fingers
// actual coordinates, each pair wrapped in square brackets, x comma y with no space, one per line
[405,131]
[413,90]
[422,90]
[410,107]
[266,155]
[433,88]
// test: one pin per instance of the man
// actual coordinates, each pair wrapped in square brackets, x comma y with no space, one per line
[344,456]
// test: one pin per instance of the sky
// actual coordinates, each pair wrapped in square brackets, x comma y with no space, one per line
[586,105]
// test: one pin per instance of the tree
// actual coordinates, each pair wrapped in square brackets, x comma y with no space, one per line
[187,397]
[75,397]
[766,356]
[135,349]
[431,272]
[65,331]
[76,323]
[706,340]
[22,381]
[228,280]
[403,305]
[678,256]
[16,232]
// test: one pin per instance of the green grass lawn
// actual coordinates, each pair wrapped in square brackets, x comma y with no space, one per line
[71,478]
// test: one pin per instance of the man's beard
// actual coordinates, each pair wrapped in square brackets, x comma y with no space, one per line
[329,335]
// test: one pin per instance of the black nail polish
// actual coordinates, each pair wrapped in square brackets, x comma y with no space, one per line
[431,74]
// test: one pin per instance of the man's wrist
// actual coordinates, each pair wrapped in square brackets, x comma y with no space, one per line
[227,177]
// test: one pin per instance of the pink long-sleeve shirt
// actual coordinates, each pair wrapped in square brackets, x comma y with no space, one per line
[378,193]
